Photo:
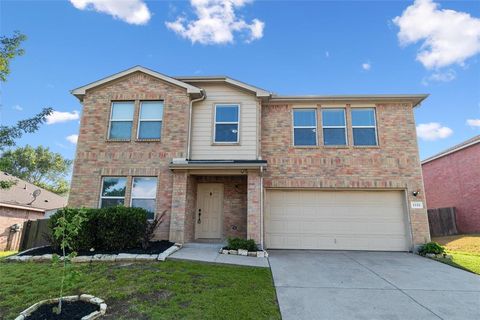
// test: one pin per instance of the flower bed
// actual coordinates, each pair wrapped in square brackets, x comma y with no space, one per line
[158,250]
[242,252]
[85,307]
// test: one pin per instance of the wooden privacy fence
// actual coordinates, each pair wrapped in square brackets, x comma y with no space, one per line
[35,234]
[442,222]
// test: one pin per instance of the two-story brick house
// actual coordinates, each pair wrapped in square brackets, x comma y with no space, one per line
[223,158]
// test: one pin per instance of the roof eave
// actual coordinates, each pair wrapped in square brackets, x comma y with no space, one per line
[80,91]
[414,99]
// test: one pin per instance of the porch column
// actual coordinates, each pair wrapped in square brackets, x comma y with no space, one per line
[179,205]
[253,206]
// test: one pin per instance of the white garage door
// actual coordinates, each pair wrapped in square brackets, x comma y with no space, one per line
[339,220]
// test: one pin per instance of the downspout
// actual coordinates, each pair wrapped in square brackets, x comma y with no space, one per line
[261,209]
[189,137]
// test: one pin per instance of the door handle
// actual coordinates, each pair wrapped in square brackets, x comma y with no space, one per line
[199,216]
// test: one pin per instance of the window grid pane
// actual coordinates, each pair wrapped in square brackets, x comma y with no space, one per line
[334,127]
[151,110]
[364,127]
[120,130]
[113,191]
[144,192]
[122,111]
[150,130]
[304,127]
[226,123]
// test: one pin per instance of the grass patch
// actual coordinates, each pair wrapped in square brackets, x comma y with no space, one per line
[465,250]
[467,243]
[167,290]
[4,254]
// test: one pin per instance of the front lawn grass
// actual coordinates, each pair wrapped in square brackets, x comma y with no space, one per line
[167,290]
[465,250]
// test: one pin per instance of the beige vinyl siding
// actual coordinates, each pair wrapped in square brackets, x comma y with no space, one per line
[203,146]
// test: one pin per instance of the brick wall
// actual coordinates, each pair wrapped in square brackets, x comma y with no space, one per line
[394,164]
[454,181]
[11,216]
[97,157]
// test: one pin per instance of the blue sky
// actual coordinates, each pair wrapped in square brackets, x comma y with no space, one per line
[288,47]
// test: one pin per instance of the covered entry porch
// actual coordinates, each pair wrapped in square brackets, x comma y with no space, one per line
[214,200]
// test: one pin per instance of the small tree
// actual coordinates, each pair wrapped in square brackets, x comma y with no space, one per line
[67,230]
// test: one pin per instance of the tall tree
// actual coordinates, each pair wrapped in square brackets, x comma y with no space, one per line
[38,166]
[9,49]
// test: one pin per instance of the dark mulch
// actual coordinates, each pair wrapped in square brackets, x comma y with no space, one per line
[155,247]
[70,310]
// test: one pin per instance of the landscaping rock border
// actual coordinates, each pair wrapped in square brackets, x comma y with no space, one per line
[83,297]
[121,257]
[242,252]
[439,256]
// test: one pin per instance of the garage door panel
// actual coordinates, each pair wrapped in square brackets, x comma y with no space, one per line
[360,220]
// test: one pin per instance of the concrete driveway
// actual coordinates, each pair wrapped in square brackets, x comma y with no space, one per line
[371,285]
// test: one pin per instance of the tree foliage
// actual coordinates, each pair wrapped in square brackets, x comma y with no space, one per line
[8,134]
[9,49]
[38,166]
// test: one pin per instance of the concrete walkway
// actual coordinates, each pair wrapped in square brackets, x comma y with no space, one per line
[208,252]
[371,285]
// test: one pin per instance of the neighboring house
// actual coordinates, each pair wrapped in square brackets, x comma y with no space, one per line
[18,204]
[227,159]
[452,179]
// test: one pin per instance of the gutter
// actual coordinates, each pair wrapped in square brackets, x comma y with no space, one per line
[189,136]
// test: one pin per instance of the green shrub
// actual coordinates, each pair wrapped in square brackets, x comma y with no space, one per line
[110,229]
[431,247]
[237,243]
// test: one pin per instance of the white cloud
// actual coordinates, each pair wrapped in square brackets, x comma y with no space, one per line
[130,11]
[447,36]
[17,107]
[58,116]
[327,54]
[216,23]
[433,131]
[366,66]
[73,138]
[446,76]
[473,122]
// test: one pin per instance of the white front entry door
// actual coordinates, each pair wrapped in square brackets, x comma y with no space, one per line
[208,220]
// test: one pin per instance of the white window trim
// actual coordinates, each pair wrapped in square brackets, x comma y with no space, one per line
[374,126]
[145,198]
[304,127]
[110,120]
[111,197]
[344,127]
[149,120]
[226,122]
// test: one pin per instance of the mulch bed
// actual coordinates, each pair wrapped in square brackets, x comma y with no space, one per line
[155,247]
[71,310]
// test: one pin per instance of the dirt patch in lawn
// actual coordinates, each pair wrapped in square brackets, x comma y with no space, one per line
[122,308]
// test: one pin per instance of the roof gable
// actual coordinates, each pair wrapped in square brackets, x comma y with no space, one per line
[80,92]
[458,147]
[261,93]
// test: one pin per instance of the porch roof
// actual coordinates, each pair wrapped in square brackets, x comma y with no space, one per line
[217,164]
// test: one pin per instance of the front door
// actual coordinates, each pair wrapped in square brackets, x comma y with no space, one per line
[208,220]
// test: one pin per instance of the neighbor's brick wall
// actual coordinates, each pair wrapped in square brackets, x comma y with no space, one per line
[11,216]
[97,157]
[394,164]
[454,181]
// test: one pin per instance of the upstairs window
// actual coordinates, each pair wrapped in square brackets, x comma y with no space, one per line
[334,127]
[226,123]
[364,127]
[113,191]
[304,127]
[150,120]
[144,192]
[121,119]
